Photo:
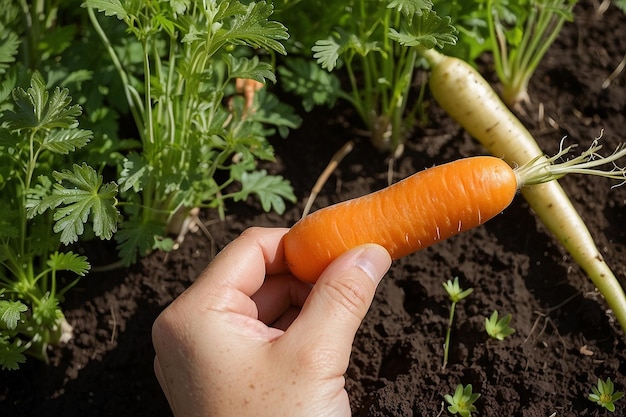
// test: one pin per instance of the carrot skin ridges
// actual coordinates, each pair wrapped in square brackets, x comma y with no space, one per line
[454,81]
[405,217]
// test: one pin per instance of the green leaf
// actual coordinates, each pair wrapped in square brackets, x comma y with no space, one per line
[463,400]
[498,329]
[11,354]
[69,261]
[454,290]
[57,40]
[234,23]
[307,80]
[165,244]
[160,20]
[11,312]
[327,52]
[37,110]
[47,312]
[64,141]
[428,30]
[136,238]
[133,174]
[37,193]
[109,7]
[7,84]
[271,190]
[409,8]
[242,67]
[269,110]
[253,28]
[179,6]
[9,44]
[604,394]
[82,194]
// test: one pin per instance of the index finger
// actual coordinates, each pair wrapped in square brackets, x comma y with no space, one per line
[239,270]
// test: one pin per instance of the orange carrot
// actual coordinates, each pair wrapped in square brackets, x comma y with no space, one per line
[405,217]
[425,208]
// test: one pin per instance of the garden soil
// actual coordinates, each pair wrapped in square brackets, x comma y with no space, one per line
[565,339]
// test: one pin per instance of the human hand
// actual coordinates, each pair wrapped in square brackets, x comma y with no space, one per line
[249,339]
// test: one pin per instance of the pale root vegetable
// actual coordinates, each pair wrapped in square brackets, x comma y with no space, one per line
[469,99]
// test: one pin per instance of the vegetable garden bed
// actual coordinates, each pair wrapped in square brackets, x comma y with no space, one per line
[564,341]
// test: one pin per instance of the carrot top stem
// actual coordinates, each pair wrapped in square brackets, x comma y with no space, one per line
[543,169]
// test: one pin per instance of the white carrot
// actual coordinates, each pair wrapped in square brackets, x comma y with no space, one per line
[469,99]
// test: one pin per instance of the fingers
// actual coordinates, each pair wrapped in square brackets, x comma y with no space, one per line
[255,250]
[238,271]
[279,294]
[338,303]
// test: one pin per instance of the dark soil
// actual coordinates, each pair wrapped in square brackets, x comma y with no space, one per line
[565,336]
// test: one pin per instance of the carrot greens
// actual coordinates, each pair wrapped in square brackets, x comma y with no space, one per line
[517,34]
[370,42]
[543,169]
[201,139]
[522,32]
[46,202]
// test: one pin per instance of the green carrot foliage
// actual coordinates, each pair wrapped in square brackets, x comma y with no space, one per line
[371,44]
[201,139]
[44,206]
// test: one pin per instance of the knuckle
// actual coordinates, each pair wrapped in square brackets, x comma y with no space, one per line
[166,326]
[251,233]
[350,294]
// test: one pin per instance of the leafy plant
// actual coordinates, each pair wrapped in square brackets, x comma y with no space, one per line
[456,294]
[46,203]
[373,43]
[522,32]
[9,38]
[462,402]
[604,394]
[498,328]
[200,139]
[469,19]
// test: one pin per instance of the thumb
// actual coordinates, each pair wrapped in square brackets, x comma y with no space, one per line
[338,303]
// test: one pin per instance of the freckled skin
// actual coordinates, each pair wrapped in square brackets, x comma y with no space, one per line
[249,339]
[410,215]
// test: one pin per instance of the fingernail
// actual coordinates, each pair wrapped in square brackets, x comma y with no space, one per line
[374,260]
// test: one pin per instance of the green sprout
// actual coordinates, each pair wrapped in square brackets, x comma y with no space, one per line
[462,402]
[456,294]
[498,329]
[604,394]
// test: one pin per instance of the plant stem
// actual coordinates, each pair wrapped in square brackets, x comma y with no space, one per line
[543,169]
[446,346]
[132,97]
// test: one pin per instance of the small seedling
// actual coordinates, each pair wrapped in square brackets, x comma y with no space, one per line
[604,394]
[456,294]
[462,402]
[498,329]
